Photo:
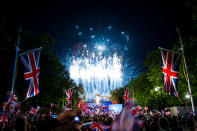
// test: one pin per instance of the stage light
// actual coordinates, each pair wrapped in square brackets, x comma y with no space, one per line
[97,100]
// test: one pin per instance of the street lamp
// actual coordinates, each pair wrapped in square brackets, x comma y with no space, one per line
[187,96]
[156,89]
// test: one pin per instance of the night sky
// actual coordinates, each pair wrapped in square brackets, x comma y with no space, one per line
[149,24]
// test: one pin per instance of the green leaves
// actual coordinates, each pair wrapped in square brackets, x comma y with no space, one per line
[117,93]
[143,87]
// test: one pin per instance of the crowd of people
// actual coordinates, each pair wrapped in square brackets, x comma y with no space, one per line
[94,117]
[66,121]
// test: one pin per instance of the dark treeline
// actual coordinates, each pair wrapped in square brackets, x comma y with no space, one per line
[54,78]
[143,87]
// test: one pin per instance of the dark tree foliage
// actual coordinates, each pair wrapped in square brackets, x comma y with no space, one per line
[117,94]
[54,79]
[142,88]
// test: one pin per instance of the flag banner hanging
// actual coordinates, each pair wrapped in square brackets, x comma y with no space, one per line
[170,70]
[30,61]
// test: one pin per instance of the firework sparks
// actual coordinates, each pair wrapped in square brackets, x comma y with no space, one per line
[98,75]
[98,61]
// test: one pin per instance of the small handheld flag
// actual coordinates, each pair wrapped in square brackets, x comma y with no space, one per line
[52,105]
[4,117]
[34,110]
[80,104]
[128,119]
[68,95]
[10,107]
[126,96]
[115,101]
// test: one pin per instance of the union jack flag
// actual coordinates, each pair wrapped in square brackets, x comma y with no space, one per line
[115,101]
[170,70]
[145,108]
[4,117]
[34,110]
[31,71]
[68,95]
[126,96]
[138,108]
[13,99]
[97,126]
[6,103]
[14,105]
[52,105]
[111,114]
[127,119]
[80,104]
[10,106]
[5,109]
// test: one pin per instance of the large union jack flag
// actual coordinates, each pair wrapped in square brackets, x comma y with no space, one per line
[31,71]
[170,70]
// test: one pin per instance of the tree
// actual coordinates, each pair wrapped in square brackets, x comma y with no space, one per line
[158,99]
[54,78]
[7,53]
[141,89]
[144,85]
[117,93]
[78,93]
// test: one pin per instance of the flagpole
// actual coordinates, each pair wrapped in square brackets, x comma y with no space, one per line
[188,82]
[30,51]
[16,57]
[169,50]
[132,89]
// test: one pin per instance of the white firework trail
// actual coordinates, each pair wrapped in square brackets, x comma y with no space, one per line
[97,74]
